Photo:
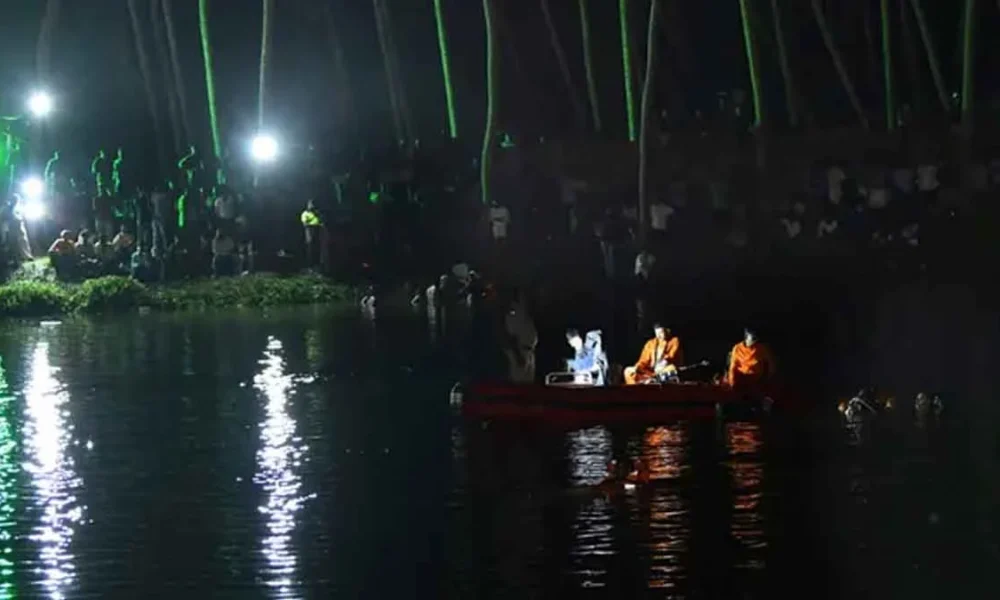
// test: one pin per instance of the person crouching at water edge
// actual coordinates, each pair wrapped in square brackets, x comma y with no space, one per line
[589,357]
[660,358]
[522,339]
[750,362]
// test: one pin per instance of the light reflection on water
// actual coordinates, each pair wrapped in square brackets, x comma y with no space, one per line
[278,461]
[593,527]
[747,526]
[8,491]
[48,438]
[665,452]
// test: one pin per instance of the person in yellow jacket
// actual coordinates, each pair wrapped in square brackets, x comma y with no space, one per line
[658,356]
[312,225]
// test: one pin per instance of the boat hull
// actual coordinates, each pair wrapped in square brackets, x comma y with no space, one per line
[604,404]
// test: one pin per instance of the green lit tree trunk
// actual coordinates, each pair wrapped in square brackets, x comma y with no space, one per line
[753,63]
[449,91]
[179,87]
[968,65]
[168,78]
[567,75]
[932,57]
[492,93]
[267,12]
[397,118]
[626,41]
[791,95]
[890,99]
[838,62]
[147,79]
[648,89]
[588,65]
[206,51]
[342,79]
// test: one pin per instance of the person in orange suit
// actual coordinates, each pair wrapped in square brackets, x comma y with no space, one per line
[660,352]
[750,363]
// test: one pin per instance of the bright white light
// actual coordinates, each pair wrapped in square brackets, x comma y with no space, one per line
[40,104]
[264,148]
[33,188]
[33,210]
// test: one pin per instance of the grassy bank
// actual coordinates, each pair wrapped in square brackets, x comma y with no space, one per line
[36,298]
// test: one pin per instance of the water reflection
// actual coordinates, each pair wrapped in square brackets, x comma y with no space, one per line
[48,437]
[8,493]
[593,527]
[665,452]
[743,444]
[278,461]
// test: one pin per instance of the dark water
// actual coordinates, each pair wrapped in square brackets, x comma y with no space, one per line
[308,454]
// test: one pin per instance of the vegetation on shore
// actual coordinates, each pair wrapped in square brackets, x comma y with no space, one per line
[37,298]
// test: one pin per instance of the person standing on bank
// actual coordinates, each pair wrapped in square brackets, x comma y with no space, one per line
[312,226]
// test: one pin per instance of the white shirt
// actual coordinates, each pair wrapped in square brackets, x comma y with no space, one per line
[835,177]
[927,178]
[903,180]
[878,198]
[499,221]
[659,214]
[225,207]
[644,262]
[223,246]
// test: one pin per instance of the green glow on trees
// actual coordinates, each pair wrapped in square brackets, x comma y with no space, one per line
[890,100]
[752,62]
[627,68]
[449,92]
[206,51]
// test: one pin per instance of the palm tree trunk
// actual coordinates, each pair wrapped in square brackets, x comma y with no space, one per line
[868,24]
[267,12]
[791,95]
[147,80]
[588,65]
[343,76]
[968,64]
[932,57]
[179,87]
[752,62]
[623,24]
[166,69]
[397,119]
[404,105]
[492,93]
[206,51]
[917,90]
[648,87]
[43,52]
[449,91]
[567,75]
[890,100]
[838,62]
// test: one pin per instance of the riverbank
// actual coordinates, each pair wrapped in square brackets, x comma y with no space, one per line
[30,297]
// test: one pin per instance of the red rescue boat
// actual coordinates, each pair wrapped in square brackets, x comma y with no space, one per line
[613,403]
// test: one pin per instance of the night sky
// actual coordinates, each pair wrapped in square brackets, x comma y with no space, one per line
[96,78]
